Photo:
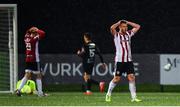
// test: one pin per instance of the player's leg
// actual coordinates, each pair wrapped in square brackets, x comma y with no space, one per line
[39,83]
[88,68]
[23,82]
[28,71]
[93,81]
[87,83]
[132,88]
[112,85]
[114,81]
[101,86]
[39,79]
[132,85]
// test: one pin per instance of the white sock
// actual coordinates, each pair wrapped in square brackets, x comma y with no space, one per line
[39,86]
[23,82]
[132,89]
[111,87]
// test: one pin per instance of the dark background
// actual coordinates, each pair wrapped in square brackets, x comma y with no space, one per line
[65,20]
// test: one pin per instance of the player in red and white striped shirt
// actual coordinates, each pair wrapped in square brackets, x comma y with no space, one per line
[31,39]
[123,58]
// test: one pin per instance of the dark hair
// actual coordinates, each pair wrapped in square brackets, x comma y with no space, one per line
[88,35]
[123,21]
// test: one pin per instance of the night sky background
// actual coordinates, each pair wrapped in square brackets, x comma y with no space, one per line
[64,22]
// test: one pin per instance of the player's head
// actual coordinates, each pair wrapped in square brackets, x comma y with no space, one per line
[87,37]
[123,27]
[33,31]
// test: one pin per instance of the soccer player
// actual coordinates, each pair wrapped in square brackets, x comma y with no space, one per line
[87,53]
[32,37]
[29,87]
[123,59]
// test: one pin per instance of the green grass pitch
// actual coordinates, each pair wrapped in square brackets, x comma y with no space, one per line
[96,99]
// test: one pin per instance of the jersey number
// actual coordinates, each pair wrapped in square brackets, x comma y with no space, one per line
[91,52]
[28,46]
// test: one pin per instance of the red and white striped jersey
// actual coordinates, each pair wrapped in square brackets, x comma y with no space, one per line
[32,42]
[123,46]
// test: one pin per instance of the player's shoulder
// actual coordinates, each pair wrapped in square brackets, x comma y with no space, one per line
[116,34]
[92,44]
[130,32]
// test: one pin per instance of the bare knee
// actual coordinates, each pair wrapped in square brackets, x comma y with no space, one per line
[39,76]
[131,77]
[28,75]
[116,79]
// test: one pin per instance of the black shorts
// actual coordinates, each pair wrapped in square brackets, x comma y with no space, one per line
[33,66]
[124,67]
[88,68]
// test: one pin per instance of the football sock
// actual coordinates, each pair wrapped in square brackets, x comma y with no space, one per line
[132,89]
[111,87]
[88,85]
[23,82]
[39,86]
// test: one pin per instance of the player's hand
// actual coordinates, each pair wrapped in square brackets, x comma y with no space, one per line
[78,52]
[104,66]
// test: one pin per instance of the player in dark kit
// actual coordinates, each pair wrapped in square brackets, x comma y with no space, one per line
[87,53]
[31,39]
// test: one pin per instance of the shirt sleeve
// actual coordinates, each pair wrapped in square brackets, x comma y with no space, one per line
[82,52]
[41,34]
[131,33]
[99,54]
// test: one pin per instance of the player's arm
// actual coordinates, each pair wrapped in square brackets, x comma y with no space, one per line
[81,52]
[101,58]
[113,28]
[99,54]
[41,33]
[135,26]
